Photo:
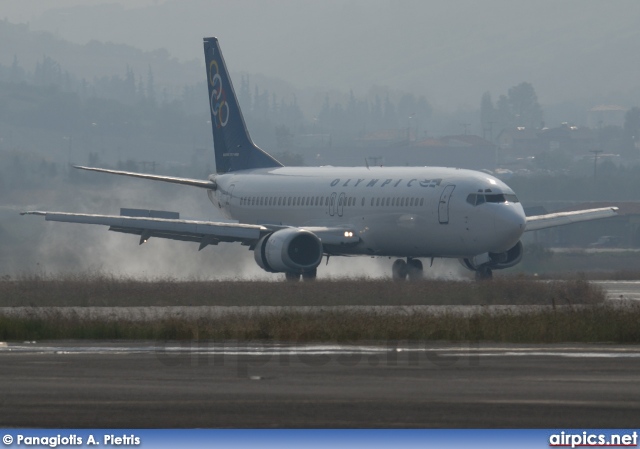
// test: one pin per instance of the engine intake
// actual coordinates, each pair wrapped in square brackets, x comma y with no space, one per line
[289,249]
[499,261]
[507,259]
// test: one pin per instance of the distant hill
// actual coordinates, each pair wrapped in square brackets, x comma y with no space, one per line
[450,51]
[95,59]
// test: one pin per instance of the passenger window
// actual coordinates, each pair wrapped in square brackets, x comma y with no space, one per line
[362,201]
[421,201]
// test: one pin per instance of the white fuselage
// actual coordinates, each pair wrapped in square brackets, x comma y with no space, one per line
[396,211]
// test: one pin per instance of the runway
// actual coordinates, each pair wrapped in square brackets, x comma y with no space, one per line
[621,289]
[265,385]
[396,384]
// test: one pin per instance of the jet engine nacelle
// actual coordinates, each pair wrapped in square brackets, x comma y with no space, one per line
[499,261]
[288,250]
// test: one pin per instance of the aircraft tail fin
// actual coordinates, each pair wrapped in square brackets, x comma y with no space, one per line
[234,149]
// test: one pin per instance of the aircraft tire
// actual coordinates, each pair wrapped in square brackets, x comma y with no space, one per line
[292,277]
[484,273]
[399,270]
[309,275]
[415,269]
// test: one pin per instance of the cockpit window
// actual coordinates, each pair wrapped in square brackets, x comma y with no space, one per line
[496,198]
[511,198]
[476,199]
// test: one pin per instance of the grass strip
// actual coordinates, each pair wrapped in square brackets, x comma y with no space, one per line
[109,291]
[593,323]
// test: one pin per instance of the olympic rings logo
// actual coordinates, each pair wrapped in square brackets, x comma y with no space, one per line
[218,101]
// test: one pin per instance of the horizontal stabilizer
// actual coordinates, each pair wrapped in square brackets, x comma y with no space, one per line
[184,181]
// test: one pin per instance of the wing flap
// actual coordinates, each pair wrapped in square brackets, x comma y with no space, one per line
[538,222]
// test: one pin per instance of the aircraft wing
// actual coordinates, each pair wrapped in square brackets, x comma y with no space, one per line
[168,225]
[538,222]
[165,225]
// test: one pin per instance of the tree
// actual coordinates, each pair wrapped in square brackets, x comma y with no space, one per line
[390,115]
[503,114]
[244,95]
[487,115]
[17,73]
[151,89]
[130,85]
[284,138]
[524,106]
[632,130]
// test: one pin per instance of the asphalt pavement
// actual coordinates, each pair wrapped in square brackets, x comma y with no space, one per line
[257,385]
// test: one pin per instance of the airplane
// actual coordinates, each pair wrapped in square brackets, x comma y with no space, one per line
[292,217]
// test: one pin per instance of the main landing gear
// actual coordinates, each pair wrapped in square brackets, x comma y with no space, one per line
[484,273]
[307,276]
[411,268]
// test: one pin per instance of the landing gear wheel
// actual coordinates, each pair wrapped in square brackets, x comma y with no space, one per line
[292,277]
[414,269]
[309,275]
[484,273]
[399,270]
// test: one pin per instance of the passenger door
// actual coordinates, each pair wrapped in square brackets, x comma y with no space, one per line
[443,204]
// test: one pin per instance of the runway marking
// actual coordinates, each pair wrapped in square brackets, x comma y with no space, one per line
[270,349]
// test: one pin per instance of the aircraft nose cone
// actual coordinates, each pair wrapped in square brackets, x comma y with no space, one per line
[509,223]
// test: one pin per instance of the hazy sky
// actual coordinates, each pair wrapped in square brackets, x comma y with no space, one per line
[450,50]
